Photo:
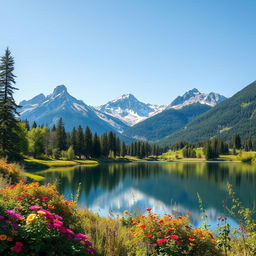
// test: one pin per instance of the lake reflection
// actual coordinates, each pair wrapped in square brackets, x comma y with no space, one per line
[164,187]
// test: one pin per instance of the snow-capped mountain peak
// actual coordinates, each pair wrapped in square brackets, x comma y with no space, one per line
[194,96]
[129,109]
[48,110]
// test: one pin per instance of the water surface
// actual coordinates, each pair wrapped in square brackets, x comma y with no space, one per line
[164,187]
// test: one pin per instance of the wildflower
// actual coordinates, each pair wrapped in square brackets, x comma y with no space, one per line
[31,217]
[19,197]
[142,226]
[3,237]
[34,207]
[18,247]
[1,217]
[174,237]
[162,241]
[149,235]
[188,213]
[178,242]
[126,212]
[44,198]
[50,206]
[191,239]
[149,209]
[80,236]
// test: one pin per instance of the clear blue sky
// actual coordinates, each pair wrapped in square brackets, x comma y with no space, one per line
[153,49]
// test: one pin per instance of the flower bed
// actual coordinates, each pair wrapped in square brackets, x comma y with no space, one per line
[169,235]
[36,220]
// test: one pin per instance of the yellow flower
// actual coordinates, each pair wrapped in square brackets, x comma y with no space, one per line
[126,212]
[41,212]
[3,237]
[31,218]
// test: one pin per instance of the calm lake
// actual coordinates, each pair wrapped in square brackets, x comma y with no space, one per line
[164,187]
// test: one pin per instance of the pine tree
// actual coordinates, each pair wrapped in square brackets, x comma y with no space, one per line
[96,146]
[9,128]
[87,142]
[61,136]
[80,141]
[34,125]
[123,150]
[104,144]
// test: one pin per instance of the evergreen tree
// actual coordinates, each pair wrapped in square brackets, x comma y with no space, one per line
[61,136]
[34,125]
[9,128]
[88,142]
[80,141]
[104,144]
[123,150]
[236,141]
[96,146]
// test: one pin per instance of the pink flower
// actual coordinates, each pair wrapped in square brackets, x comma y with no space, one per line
[34,207]
[80,236]
[17,247]
[1,217]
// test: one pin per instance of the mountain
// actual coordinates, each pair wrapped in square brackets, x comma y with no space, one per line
[234,115]
[166,122]
[48,109]
[194,96]
[130,110]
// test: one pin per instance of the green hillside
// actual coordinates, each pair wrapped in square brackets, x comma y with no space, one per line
[235,115]
[166,122]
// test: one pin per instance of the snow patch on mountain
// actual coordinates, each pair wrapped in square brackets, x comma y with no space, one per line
[194,96]
[129,109]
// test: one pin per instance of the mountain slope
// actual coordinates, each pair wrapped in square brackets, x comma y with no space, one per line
[129,110]
[48,110]
[235,115]
[194,96]
[166,122]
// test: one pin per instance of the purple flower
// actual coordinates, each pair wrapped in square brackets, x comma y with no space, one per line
[8,222]
[80,237]
[4,226]
[34,207]
[13,214]
[1,217]
[15,225]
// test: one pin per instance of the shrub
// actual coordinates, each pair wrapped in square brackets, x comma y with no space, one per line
[37,220]
[10,172]
[168,235]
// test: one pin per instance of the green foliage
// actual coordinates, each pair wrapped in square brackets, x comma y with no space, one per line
[189,152]
[9,125]
[166,122]
[228,113]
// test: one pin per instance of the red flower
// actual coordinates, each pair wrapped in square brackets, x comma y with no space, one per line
[188,213]
[44,198]
[149,209]
[174,237]
[149,235]
[19,197]
[142,226]
[178,242]
[161,241]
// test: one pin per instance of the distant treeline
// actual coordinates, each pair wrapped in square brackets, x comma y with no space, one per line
[56,142]
[214,147]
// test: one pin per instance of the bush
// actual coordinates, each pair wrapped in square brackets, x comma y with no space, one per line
[36,220]
[10,172]
[169,236]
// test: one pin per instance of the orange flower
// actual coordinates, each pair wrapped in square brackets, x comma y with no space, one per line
[3,237]
[191,239]
[50,206]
